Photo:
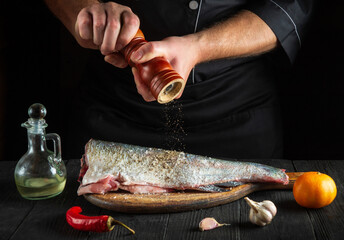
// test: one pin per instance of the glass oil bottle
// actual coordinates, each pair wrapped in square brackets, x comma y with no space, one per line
[40,173]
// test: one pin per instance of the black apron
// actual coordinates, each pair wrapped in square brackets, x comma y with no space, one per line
[229,108]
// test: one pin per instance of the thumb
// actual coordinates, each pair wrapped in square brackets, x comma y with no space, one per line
[147,52]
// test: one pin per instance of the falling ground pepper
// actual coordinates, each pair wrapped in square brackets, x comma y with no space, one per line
[103,223]
[174,133]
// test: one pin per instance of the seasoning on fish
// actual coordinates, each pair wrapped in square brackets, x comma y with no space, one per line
[109,166]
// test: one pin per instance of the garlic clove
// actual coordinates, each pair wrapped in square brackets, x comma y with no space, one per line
[209,224]
[254,219]
[270,206]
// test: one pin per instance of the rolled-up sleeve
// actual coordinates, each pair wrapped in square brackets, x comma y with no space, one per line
[288,19]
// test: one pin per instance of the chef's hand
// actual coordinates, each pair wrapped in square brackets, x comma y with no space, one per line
[107,27]
[181,52]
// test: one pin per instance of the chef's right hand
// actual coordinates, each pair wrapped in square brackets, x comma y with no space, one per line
[108,27]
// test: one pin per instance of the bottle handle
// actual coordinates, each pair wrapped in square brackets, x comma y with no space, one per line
[57,144]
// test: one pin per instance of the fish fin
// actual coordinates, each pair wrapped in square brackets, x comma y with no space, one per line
[229,184]
[211,188]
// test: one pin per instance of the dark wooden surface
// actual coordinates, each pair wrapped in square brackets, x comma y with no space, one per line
[45,219]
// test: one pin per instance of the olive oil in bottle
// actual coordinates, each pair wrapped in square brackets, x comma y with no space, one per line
[40,188]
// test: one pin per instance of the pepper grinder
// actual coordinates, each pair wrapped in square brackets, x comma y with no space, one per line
[163,81]
[40,173]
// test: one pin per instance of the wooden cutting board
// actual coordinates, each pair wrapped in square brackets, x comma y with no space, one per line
[179,201]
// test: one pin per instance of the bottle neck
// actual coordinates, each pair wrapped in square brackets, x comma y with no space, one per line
[36,142]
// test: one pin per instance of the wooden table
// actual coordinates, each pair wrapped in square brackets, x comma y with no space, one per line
[45,219]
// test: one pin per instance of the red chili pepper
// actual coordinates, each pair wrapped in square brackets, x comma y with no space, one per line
[103,223]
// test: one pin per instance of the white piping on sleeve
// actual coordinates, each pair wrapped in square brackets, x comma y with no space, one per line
[195,30]
[199,12]
[297,33]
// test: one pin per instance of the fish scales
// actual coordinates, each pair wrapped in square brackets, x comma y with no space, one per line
[135,165]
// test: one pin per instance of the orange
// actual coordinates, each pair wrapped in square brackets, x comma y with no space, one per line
[314,190]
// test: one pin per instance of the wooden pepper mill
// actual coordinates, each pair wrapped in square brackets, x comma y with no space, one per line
[164,82]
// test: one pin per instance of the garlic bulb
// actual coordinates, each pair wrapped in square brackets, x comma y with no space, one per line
[261,213]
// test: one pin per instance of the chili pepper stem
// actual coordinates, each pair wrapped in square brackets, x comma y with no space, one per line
[111,222]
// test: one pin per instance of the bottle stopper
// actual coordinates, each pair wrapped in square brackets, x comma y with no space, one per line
[37,111]
[36,122]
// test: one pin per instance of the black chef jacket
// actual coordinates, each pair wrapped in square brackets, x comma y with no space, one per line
[229,107]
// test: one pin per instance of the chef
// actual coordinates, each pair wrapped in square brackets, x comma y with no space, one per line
[228,52]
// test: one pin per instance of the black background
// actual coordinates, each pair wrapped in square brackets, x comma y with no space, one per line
[40,62]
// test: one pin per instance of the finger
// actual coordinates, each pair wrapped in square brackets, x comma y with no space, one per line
[147,52]
[83,25]
[99,21]
[130,25]
[116,59]
[142,88]
[111,33]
